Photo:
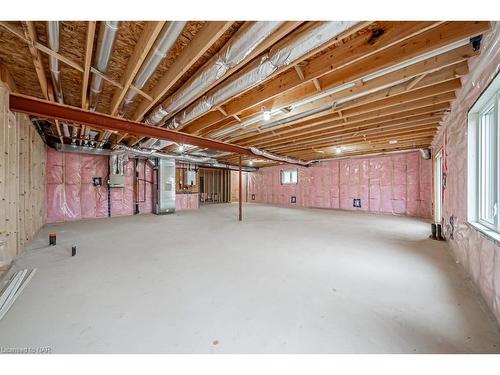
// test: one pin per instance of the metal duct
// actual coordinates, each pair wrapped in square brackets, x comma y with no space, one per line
[161,155]
[120,149]
[166,40]
[106,41]
[279,57]
[284,159]
[233,53]
[55,73]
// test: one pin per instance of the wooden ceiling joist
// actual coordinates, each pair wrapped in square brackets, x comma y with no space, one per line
[347,64]
[198,46]
[91,25]
[142,48]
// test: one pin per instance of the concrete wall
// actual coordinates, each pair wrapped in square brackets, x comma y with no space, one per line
[479,255]
[396,184]
[22,181]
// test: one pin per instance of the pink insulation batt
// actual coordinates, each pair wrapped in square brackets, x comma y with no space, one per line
[397,184]
[71,194]
[186,202]
[478,254]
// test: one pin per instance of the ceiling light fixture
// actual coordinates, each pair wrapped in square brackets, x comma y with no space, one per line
[266,115]
[250,162]
[393,141]
[180,148]
[338,150]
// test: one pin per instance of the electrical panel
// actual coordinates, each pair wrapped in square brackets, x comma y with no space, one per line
[116,180]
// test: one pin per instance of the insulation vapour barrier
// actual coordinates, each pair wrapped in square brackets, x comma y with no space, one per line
[478,254]
[71,194]
[398,184]
[186,202]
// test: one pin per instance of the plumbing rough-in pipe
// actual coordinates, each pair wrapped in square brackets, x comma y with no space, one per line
[55,73]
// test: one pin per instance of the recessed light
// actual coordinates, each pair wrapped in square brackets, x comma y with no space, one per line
[393,141]
[338,150]
[250,162]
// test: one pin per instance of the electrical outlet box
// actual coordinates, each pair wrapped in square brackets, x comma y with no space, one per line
[356,203]
[253,197]
[293,199]
[116,181]
[97,181]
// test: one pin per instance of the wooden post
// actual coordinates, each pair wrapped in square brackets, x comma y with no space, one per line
[240,199]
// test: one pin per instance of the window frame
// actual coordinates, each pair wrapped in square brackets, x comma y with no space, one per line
[488,100]
[284,171]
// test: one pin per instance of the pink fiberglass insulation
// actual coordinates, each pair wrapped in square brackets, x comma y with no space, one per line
[71,194]
[186,202]
[398,184]
[478,254]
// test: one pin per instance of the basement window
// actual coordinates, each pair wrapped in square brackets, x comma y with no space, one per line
[289,176]
[484,161]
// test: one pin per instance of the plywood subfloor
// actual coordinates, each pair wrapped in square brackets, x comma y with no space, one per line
[282,281]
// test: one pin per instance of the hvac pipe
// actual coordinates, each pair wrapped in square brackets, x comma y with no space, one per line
[105,44]
[46,109]
[232,54]
[279,57]
[165,41]
[55,73]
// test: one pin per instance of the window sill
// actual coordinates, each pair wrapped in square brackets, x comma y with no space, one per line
[491,234]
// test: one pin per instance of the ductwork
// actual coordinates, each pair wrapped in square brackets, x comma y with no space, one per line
[106,41]
[233,53]
[166,40]
[284,159]
[206,161]
[53,37]
[280,56]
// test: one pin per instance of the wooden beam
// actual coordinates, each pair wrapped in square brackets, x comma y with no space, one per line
[299,72]
[43,108]
[143,46]
[342,55]
[202,41]
[286,28]
[37,45]
[30,35]
[345,64]
[89,45]
[317,84]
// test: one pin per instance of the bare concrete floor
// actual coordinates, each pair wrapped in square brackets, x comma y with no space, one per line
[282,281]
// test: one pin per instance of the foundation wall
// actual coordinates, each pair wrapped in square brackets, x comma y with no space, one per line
[478,254]
[71,194]
[397,184]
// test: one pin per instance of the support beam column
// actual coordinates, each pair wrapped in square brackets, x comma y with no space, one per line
[240,199]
